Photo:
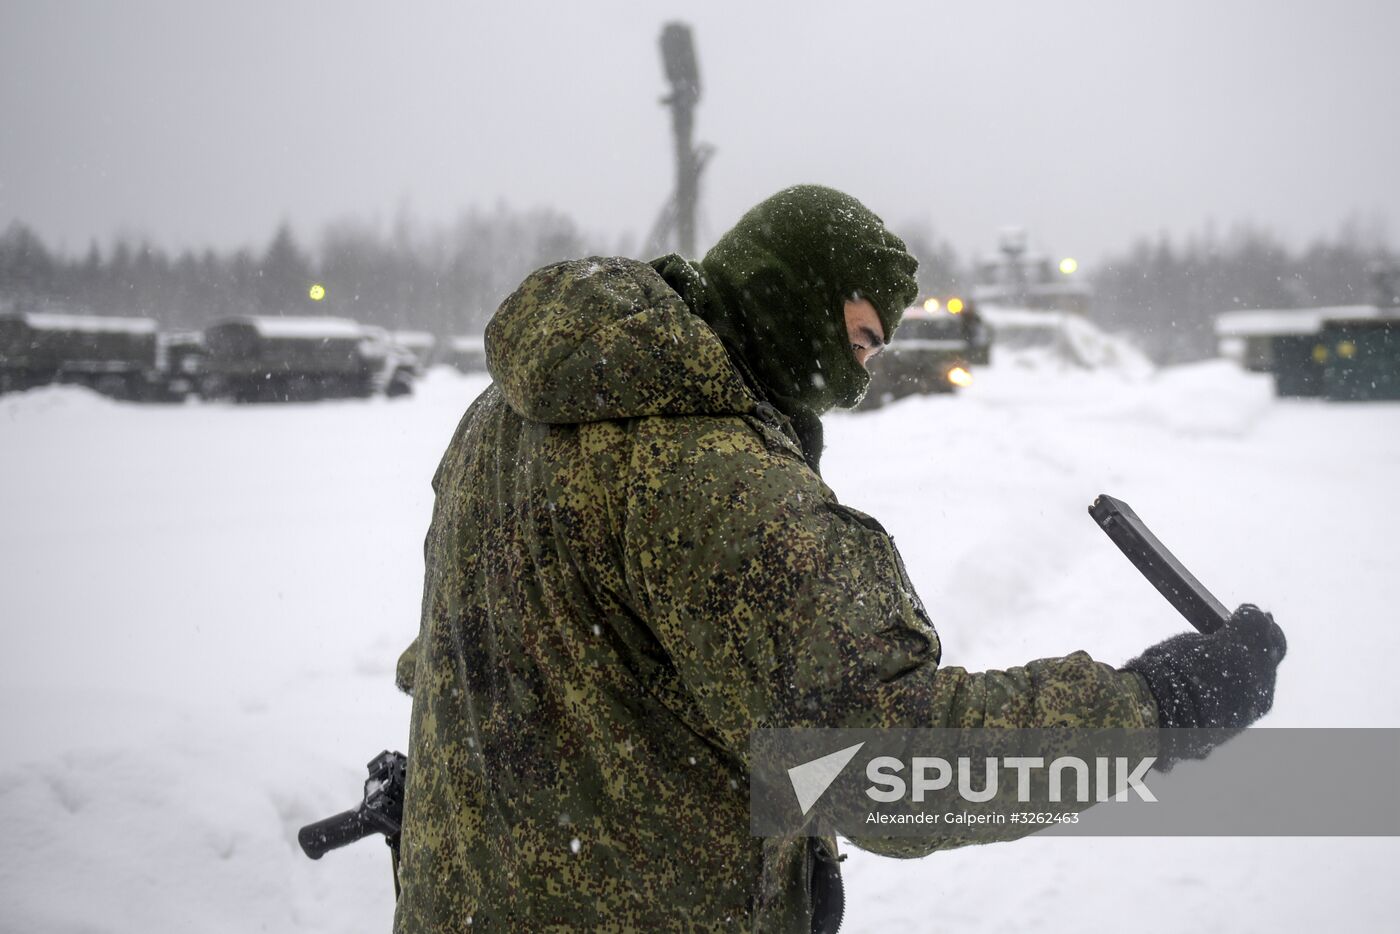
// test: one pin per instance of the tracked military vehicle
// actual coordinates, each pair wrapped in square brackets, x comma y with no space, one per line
[291,359]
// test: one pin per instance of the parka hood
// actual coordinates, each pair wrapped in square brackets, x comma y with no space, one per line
[781,277]
[606,338]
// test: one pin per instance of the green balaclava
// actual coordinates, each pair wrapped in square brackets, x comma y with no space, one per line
[774,289]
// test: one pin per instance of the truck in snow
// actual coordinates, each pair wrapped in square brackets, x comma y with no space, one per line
[247,359]
[114,356]
[295,359]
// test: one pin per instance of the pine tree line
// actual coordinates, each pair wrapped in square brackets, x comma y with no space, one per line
[447,281]
[1163,293]
[1166,295]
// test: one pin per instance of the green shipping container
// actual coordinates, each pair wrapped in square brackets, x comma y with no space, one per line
[1362,359]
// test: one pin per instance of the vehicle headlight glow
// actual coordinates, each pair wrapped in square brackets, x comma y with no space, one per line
[958,376]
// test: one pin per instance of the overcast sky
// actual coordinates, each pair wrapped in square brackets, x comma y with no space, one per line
[1087,123]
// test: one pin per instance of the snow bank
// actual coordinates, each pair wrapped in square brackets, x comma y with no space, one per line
[203,606]
[1058,340]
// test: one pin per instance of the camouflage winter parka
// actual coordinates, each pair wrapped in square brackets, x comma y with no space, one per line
[630,567]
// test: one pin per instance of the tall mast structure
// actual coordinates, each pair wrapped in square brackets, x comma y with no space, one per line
[683,73]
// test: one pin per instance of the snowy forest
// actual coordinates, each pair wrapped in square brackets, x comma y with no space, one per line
[446,281]
[1160,291]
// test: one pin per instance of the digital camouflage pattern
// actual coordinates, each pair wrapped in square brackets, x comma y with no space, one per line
[629,568]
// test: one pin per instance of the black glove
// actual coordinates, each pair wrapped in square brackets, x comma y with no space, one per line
[1222,680]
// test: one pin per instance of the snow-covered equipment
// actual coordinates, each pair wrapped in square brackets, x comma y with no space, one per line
[398,366]
[115,356]
[380,811]
[1161,568]
[421,343]
[294,359]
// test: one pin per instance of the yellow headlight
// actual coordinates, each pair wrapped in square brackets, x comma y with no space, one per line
[960,377]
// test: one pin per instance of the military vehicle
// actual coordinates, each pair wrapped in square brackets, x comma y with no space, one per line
[930,354]
[292,359]
[400,366]
[115,356]
[976,331]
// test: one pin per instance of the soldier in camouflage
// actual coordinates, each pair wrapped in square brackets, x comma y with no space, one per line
[633,563]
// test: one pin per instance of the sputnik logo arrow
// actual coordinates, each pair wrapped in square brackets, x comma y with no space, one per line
[810,780]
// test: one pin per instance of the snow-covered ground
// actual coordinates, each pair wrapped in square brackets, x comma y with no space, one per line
[202,606]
